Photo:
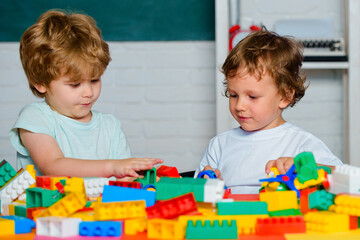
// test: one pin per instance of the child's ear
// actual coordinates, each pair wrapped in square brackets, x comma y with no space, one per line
[40,88]
[286,100]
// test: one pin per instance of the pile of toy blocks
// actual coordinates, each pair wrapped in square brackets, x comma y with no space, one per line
[307,199]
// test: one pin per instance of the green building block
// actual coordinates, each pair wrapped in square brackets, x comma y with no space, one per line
[7,172]
[321,200]
[305,166]
[20,210]
[211,231]
[242,208]
[40,197]
[286,212]
[168,187]
[149,177]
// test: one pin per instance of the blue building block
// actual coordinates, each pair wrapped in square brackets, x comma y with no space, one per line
[120,194]
[22,224]
[209,173]
[101,228]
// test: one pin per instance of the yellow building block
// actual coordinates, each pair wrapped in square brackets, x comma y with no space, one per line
[245,223]
[206,209]
[348,204]
[120,210]
[165,229]
[279,200]
[326,222]
[66,206]
[30,168]
[313,182]
[7,227]
[135,225]
[74,184]
[84,215]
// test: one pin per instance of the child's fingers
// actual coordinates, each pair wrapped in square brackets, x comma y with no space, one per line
[280,166]
[218,173]
[269,165]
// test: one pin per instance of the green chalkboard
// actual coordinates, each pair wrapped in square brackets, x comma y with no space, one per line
[120,20]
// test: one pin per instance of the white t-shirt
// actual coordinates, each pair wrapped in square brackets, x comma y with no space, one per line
[241,156]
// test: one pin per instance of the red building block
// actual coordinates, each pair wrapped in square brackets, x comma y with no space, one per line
[173,207]
[304,199]
[353,222]
[280,225]
[165,171]
[136,185]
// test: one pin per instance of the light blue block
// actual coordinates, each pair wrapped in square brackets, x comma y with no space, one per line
[121,194]
[22,224]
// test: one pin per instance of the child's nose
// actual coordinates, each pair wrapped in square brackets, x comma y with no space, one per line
[87,91]
[240,105]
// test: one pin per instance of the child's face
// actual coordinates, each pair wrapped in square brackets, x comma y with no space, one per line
[72,99]
[255,104]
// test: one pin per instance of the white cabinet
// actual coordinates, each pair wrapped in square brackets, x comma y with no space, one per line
[349,25]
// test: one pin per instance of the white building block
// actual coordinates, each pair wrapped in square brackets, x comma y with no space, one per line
[57,226]
[345,179]
[94,186]
[17,186]
[213,190]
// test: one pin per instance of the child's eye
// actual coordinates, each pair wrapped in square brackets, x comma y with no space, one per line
[75,84]
[252,97]
[233,95]
[95,80]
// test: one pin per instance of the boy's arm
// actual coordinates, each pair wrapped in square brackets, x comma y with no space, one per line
[49,158]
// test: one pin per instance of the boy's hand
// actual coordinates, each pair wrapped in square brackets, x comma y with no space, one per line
[129,167]
[217,171]
[283,164]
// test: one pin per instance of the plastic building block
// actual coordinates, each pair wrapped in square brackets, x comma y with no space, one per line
[7,172]
[347,204]
[125,184]
[48,182]
[33,213]
[165,229]
[41,197]
[57,226]
[326,222]
[306,167]
[214,190]
[30,168]
[22,224]
[74,185]
[280,225]
[214,230]
[149,177]
[345,179]
[135,225]
[245,223]
[280,200]
[17,185]
[321,200]
[94,186]
[304,199]
[286,212]
[287,179]
[209,173]
[119,210]
[101,228]
[173,207]
[242,208]
[117,194]
[172,187]
[322,179]
[84,215]
[166,171]
[66,206]
[20,210]
[353,222]
[7,227]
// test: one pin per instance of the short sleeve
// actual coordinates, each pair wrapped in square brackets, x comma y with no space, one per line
[33,119]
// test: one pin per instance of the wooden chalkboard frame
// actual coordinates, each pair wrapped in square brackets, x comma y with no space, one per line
[120,20]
